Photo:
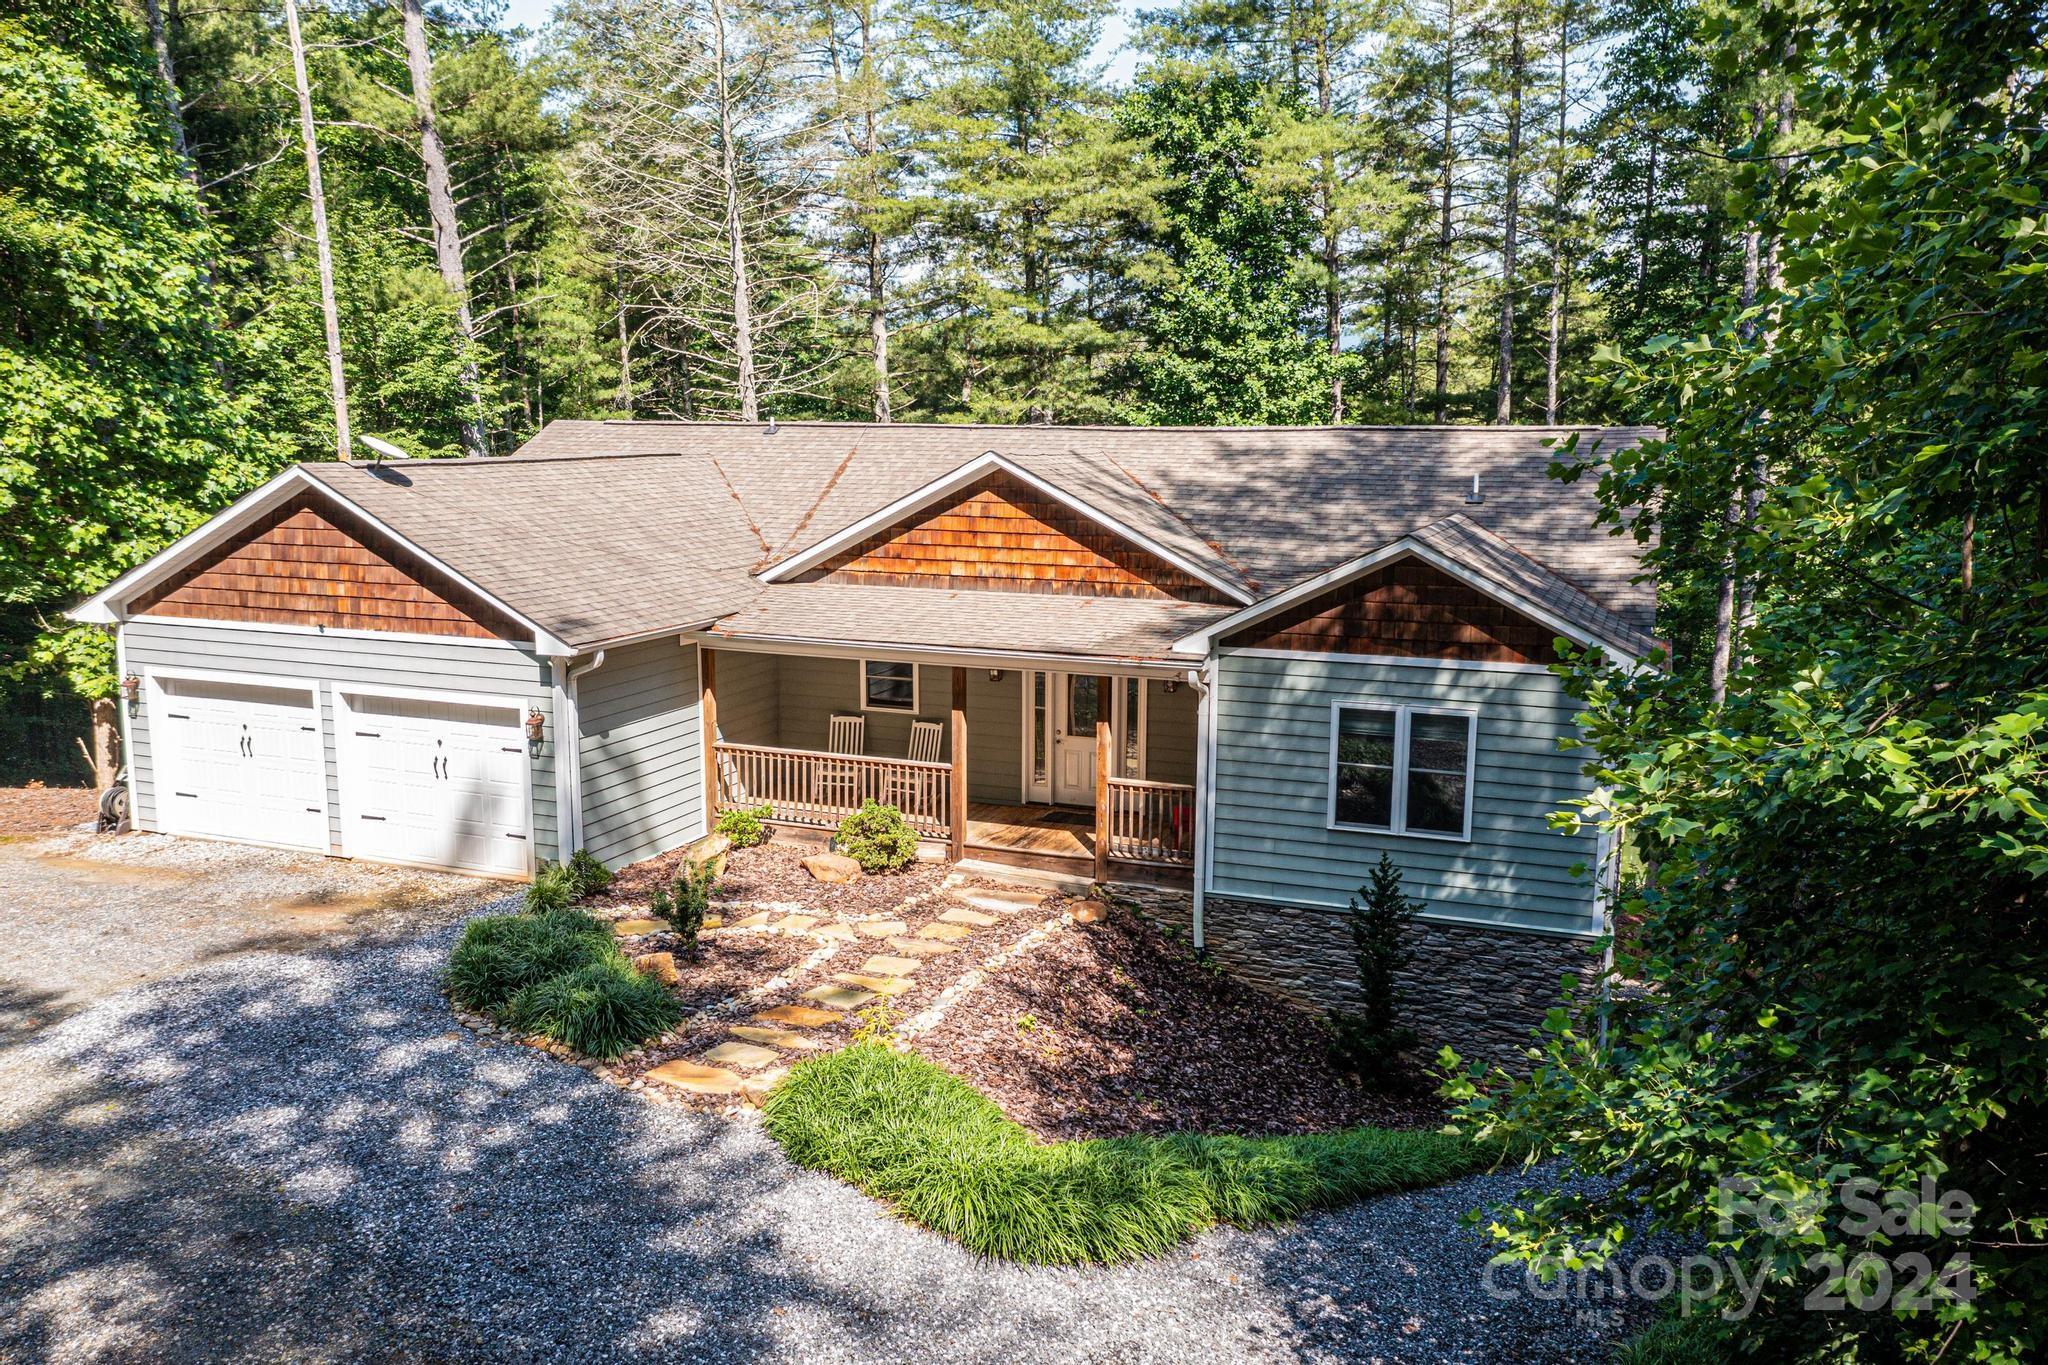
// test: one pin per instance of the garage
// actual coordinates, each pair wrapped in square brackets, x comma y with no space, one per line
[434,781]
[241,759]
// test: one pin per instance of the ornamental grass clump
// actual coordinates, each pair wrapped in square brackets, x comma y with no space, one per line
[553,888]
[602,1009]
[499,955]
[906,1131]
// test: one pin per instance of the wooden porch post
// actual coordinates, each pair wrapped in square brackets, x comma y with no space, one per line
[1103,752]
[956,793]
[707,675]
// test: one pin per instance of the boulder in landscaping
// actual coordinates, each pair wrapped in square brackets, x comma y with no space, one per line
[708,853]
[660,966]
[832,867]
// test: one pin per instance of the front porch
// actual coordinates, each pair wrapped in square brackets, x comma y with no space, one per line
[1074,772]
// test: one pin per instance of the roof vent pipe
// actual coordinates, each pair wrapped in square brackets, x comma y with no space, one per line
[771,425]
[1475,497]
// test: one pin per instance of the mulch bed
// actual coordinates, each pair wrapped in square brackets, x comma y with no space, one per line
[729,964]
[774,871]
[41,810]
[1113,1029]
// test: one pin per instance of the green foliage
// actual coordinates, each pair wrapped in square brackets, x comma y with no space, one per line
[943,1155]
[500,955]
[746,826]
[683,903]
[878,838]
[1675,1340]
[1839,914]
[1367,1044]
[553,888]
[587,876]
[601,1009]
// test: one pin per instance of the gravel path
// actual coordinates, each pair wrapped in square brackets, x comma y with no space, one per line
[295,1154]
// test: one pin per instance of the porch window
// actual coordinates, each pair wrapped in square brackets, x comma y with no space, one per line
[888,686]
[1402,770]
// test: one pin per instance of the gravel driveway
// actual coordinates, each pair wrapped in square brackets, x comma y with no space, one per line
[294,1154]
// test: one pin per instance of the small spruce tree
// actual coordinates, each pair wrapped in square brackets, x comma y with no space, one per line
[1367,1043]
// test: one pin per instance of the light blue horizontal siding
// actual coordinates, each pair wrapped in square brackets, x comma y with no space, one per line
[463,667]
[813,690]
[1271,836]
[641,724]
[1170,732]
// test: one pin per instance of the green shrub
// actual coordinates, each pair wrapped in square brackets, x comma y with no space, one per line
[903,1130]
[500,955]
[587,876]
[683,903]
[601,1009]
[746,826]
[1368,1043]
[552,888]
[878,838]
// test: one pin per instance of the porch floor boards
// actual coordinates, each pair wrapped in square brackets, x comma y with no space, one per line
[1023,829]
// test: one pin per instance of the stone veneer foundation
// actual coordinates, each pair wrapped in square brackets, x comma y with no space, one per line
[1479,989]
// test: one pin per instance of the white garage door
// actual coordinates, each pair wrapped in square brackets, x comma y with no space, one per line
[435,783]
[239,761]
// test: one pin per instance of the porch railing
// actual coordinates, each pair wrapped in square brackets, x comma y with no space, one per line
[1151,822]
[809,788]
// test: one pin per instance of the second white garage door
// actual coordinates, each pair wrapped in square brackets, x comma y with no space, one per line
[434,783]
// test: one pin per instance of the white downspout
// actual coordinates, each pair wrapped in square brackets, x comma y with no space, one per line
[569,754]
[1202,680]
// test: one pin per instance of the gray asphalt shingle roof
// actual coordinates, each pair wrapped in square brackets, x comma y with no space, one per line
[601,531]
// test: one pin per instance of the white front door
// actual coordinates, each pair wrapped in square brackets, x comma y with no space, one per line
[239,760]
[434,783]
[1073,748]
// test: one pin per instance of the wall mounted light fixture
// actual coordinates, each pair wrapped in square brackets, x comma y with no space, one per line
[995,675]
[131,690]
[535,724]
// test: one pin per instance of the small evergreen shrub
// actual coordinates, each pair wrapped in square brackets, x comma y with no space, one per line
[552,888]
[587,876]
[1368,1043]
[878,838]
[502,954]
[601,1009]
[683,903]
[746,826]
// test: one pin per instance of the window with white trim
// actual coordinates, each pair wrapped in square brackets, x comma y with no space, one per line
[1402,770]
[888,686]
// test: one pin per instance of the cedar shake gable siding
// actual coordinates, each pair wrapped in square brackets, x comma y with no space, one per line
[309,564]
[1407,609]
[999,534]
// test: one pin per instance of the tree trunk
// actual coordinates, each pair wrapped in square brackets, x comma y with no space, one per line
[167,72]
[623,399]
[419,65]
[323,249]
[1560,271]
[871,148]
[735,234]
[1333,292]
[1448,162]
[1504,394]
[106,742]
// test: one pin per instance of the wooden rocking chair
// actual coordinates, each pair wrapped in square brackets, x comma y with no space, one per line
[838,784]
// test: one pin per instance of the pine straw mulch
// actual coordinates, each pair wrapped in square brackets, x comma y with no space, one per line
[36,809]
[1113,1029]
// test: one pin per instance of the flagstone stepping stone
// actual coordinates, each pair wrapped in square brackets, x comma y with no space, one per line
[713,922]
[880,985]
[921,947]
[881,928]
[753,921]
[749,1055]
[628,928]
[696,1079]
[973,917]
[839,997]
[884,965]
[755,1088]
[836,930]
[800,1016]
[1001,902]
[945,933]
[796,924]
[776,1037]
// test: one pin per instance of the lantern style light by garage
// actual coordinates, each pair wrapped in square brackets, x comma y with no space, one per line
[535,726]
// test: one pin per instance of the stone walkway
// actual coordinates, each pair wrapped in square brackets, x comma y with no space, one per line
[915,943]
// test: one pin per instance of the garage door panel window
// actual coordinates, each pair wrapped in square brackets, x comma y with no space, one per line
[1401,770]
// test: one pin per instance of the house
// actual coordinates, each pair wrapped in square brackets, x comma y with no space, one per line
[1227,667]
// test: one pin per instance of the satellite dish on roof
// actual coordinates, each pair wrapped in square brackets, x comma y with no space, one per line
[384,448]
